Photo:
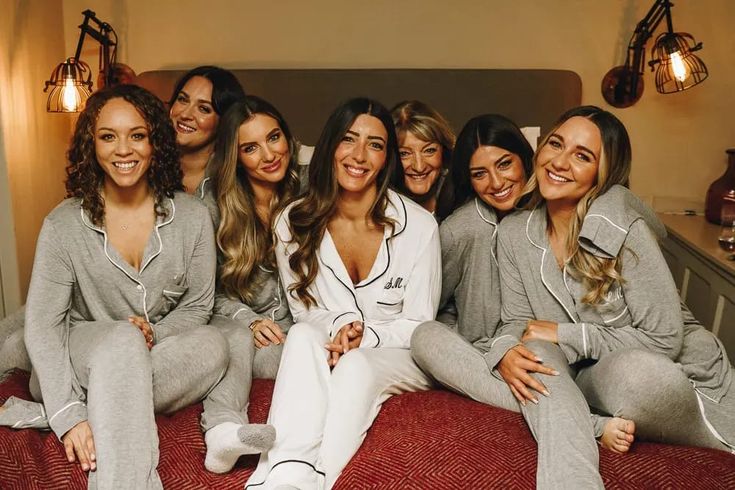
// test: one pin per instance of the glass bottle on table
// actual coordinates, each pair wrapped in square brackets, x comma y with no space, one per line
[727,230]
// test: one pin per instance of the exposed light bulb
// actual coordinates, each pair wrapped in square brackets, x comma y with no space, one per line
[678,67]
[69,96]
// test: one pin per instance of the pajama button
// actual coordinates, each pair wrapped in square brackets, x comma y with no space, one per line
[139,287]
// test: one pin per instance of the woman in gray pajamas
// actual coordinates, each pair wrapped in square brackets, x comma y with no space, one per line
[199,99]
[121,292]
[584,281]
[254,173]
[491,162]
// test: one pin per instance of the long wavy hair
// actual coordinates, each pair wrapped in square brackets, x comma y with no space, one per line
[309,217]
[598,274]
[226,89]
[426,124]
[84,173]
[486,130]
[246,242]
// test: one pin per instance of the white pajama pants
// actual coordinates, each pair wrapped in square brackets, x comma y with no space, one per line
[321,417]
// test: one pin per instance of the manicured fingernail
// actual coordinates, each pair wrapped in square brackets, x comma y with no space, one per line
[538,359]
[92,457]
[534,401]
[546,393]
[85,467]
[523,402]
[555,372]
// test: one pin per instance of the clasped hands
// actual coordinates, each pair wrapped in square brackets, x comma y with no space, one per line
[348,337]
[517,364]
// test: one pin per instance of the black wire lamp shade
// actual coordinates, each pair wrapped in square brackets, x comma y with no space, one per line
[672,57]
[72,79]
[678,67]
[70,89]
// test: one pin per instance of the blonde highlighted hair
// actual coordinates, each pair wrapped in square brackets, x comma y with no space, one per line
[244,240]
[599,275]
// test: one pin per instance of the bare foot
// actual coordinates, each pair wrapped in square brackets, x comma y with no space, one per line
[617,436]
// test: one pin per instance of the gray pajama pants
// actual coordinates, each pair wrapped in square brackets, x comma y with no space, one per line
[125,384]
[633,384]
[228,401]
[13,353]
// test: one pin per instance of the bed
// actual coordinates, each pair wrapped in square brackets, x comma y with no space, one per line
[430,440]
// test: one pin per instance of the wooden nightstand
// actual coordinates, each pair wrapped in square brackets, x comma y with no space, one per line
[703,274]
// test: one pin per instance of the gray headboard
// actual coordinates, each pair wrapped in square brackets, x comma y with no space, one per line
[307,97]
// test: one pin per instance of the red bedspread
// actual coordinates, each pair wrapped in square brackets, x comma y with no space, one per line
[432,440]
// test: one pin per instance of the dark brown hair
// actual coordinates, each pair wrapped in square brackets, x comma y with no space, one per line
[84,174]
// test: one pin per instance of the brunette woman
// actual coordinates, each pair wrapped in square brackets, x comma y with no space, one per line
[361,267]
[255,171]
[121,292]
[425,142]
[198,101]
[585,287]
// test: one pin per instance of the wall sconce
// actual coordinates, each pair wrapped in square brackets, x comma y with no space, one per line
[70,87]
[678,68]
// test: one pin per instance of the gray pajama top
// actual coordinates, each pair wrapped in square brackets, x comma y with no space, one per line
[79,277]
[644,312]
[470,297]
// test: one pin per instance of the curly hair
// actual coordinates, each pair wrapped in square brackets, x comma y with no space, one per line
[246,242]
[598,274]
[309,216]
[84,173]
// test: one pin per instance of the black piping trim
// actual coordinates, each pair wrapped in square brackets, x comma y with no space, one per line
[405,214]
[354,298]
[339,316]
[375,333]
[388,304]
[287,461]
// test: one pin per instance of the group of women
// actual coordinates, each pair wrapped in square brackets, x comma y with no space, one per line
[542,290]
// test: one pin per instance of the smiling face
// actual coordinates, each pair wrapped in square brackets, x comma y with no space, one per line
[263,150]
[122,146]
[568,163]
[421,161]
[361,154]
[497,177]
[193,115]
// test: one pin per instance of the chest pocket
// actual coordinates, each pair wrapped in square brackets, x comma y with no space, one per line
[390,303]
[614,311]
[171,296]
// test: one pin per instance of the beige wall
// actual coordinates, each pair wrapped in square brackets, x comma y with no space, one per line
[679,140]
[34,142]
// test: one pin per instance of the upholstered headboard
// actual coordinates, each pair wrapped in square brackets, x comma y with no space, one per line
[307,97]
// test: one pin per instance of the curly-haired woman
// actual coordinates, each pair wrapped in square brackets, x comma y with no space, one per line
[121,292]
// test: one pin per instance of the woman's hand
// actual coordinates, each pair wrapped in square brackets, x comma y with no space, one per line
[145,329]
[347,338]
[541,330]
[266,332]
[79,445]
[515,367]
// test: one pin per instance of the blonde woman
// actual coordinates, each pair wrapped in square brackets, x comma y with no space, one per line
[585,287]
[425,143]
[255,175]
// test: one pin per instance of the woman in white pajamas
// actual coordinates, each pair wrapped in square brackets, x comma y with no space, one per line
[362,268]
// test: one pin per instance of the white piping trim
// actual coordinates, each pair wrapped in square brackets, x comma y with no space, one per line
[493,343]
[62,409]
[621,314]
[707,422]
[584,341]
[238,312]
[541,270]
[495,228]
[609,221]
